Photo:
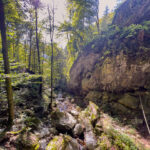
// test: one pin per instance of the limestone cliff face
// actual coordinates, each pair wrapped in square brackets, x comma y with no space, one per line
[116,68]
[113,74]
[132,12]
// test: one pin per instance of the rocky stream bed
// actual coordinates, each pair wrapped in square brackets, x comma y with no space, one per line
[69,127]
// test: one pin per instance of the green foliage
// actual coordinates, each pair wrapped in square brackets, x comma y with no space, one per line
[119,39]
[131,31]
[79,29]
[122,141]
[32,122]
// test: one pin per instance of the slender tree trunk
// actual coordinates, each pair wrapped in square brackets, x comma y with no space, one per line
[43,58]
[51,29]
[34,60]
[17,48]
[37,41]
[97,18]
[29,67]
[52,74]
[38,51]
[97,24]
[13,50]
[25,52]
[6,64]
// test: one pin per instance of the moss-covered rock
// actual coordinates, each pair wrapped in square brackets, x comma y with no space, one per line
[118,108]
[58,143]
[89,116]
[85,121]
[93,96]
[129,101]
[93,111]
[63,142]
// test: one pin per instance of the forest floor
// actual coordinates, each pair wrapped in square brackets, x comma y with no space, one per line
[32,118]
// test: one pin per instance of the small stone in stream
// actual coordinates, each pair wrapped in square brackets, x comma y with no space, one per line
[74,112]
[53,131]
[37,134]
[14,128]
[78,130]
[90,140]
[54,104]
[44,132]
[72,100]
[18,121]
[23,116]
[22,126]
[43,143]
[21,119]
[1,130]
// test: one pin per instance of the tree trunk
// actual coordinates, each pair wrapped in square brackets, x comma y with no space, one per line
[6,64]
[97,24]
[25,52]
[52,74]
[38,51]
[51,29]
[29,67]
[97,18]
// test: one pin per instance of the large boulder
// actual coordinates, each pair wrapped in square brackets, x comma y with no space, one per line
[94,96]
[63,142]
[129,101]
[63,120]
[118,108]
[56,144]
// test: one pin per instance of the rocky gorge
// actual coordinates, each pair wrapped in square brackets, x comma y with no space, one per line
[102,104]
[114,70]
